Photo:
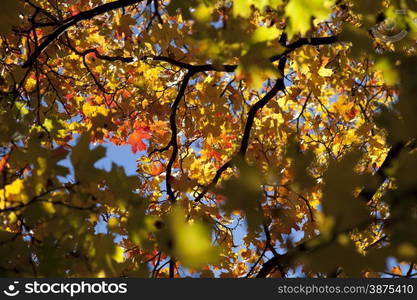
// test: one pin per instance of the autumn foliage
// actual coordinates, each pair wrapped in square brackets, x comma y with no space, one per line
[274,138]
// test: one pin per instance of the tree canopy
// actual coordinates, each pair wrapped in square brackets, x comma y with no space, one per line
[274,137]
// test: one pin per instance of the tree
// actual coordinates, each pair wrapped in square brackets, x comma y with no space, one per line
[273,135]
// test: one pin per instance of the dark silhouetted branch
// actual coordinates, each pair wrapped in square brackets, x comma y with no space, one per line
[71,21]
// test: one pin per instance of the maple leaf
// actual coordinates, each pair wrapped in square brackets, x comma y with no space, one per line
[137,137]
[300,13]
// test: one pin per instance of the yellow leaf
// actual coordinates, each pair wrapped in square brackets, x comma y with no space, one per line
[14,192]
[203,13]
[92,110]
[118,255]
[324,72]
[30,84]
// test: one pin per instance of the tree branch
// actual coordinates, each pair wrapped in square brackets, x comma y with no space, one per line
[231,68]
[71,21]
[279,86]
[303,42]
[174,131]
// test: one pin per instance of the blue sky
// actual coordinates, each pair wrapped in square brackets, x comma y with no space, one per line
[120,155]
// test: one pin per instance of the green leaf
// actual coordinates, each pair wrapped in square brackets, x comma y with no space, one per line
[244,194]
[339,202]
[83,159]
[388,70]
[301,13]
[255,66]
[301,162]
[243,7]
[190,242]
[265,34]
[328,257]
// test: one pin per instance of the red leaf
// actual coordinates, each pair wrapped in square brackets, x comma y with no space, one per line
[126,94]
[352,113]
[69,96]
[216,155]
[3,162]
[137,137]
[90,57]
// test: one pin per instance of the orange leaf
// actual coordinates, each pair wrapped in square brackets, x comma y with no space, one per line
[396,270]
[137,137]
[157,169]
[3,162]
[74,10]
